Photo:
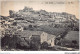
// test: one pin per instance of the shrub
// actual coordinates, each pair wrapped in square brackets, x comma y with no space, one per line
[9,41]
[44,45]
[34,45]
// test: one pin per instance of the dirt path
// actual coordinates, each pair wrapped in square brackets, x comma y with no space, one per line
[60,48]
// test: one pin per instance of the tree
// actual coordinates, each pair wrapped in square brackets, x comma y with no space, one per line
[15,23]
[34,45]
[9,41]
[44,45]
[11,13]
[30,26]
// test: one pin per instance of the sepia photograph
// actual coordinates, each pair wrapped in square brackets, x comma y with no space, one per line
[39,25]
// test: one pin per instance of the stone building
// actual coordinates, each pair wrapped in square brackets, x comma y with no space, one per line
[38,36]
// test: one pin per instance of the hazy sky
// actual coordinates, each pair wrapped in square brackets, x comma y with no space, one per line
[69,6]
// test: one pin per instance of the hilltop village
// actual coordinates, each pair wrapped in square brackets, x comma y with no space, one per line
[29,29]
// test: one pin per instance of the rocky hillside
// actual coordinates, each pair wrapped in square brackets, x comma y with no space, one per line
[42,15]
